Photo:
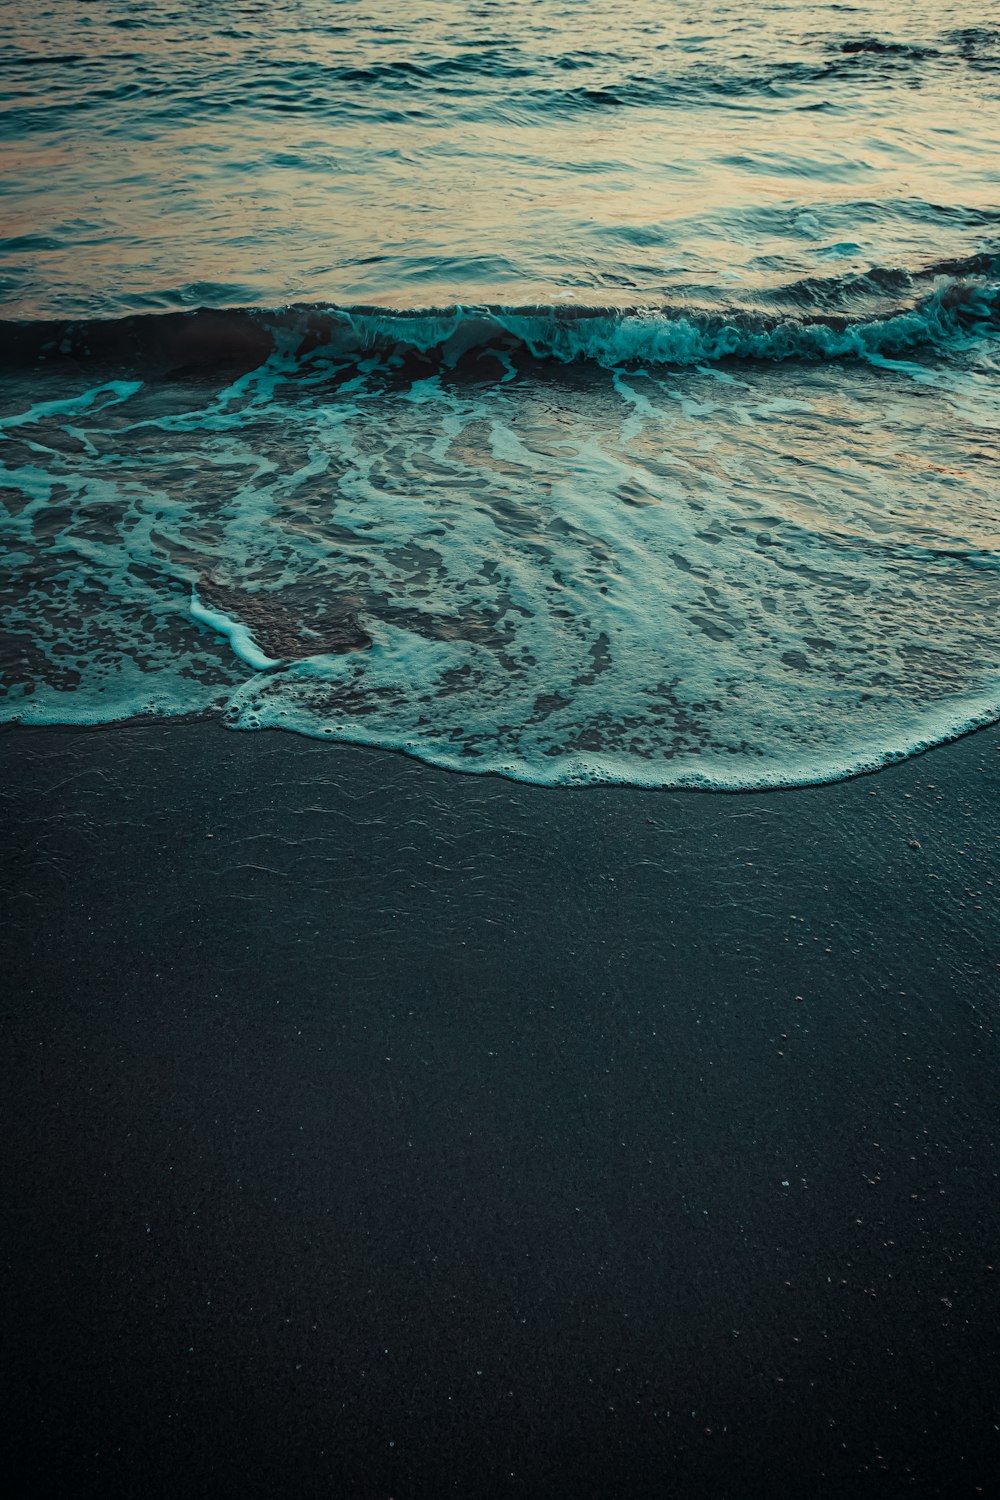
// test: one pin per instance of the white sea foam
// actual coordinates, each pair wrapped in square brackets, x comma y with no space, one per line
[235,632]
[662,578]
[957,312]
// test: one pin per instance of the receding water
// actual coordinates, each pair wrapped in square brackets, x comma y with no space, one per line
[567,391]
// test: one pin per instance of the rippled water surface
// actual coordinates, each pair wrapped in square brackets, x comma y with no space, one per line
[565,390]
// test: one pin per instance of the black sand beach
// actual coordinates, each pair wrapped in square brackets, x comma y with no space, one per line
[375,1131]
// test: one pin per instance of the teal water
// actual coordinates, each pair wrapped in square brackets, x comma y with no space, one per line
[577,396]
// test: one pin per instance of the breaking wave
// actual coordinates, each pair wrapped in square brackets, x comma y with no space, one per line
[961,308]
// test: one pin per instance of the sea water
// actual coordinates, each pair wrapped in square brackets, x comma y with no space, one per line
[575,391]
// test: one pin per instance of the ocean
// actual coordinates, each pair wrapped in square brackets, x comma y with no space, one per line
[582,393]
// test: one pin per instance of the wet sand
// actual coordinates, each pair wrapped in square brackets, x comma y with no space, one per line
[376,1131]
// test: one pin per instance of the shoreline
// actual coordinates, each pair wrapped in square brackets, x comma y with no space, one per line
[379,1131]
[981,721]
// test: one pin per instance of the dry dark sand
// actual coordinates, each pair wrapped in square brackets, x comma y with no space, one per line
[374,1131]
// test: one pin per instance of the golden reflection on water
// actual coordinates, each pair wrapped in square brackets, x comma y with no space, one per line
[464,187]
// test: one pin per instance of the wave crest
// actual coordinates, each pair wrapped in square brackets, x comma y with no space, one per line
[956,311]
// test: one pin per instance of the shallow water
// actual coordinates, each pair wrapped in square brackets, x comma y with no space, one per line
[690,478]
